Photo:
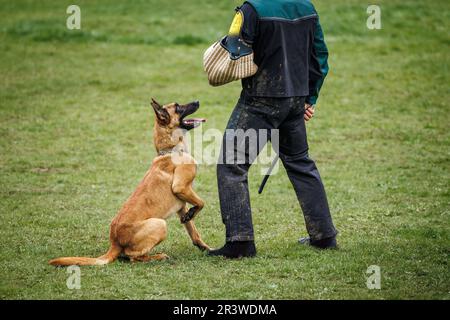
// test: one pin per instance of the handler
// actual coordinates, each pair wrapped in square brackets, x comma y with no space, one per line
[291,55]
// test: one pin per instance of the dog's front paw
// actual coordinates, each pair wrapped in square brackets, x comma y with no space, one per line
[202,246]
[162,256]
[189,215]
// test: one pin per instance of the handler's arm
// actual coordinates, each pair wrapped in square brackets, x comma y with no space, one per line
[245,23]
[319,65]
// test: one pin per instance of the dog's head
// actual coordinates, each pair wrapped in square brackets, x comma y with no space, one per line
[173,115]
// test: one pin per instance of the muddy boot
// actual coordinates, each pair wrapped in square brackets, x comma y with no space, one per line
[327,243]
[236,249]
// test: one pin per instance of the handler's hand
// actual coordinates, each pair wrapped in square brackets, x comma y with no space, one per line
[309,112]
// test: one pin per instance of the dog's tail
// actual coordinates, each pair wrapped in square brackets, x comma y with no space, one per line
[112,254]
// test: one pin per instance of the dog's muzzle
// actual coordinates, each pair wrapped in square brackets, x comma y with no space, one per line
[187,110]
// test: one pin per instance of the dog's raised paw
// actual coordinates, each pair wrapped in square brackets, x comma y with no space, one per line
[189,215]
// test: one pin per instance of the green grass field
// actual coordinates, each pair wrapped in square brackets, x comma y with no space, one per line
[75,127]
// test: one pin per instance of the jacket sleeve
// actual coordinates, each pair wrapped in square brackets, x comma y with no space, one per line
[319,65]
[247,27]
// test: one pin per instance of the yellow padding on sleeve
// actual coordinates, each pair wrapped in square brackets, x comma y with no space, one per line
[236,25]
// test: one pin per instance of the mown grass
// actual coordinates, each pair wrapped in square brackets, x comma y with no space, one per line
[76,139]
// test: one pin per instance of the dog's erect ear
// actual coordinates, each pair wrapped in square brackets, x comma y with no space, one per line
[162,115]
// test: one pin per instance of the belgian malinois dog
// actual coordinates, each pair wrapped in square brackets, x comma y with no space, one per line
[166,188]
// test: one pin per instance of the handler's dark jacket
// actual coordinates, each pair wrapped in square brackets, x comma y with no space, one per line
[289,48]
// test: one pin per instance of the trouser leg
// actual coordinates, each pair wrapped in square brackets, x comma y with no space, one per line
[237,155]
[235,202]
[304,175]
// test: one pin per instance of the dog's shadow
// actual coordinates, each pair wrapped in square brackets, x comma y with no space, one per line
[123,258]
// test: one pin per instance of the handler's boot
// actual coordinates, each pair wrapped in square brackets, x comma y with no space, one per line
[235,249]
[327,243]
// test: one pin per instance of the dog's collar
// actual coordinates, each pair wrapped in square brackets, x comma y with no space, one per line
[169,151]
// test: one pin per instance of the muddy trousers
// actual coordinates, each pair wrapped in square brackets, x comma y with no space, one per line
[282,117]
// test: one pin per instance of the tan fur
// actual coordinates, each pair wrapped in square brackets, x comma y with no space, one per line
[165,189]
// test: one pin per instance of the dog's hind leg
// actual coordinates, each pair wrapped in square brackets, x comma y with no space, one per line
[192,232]
[145,236]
